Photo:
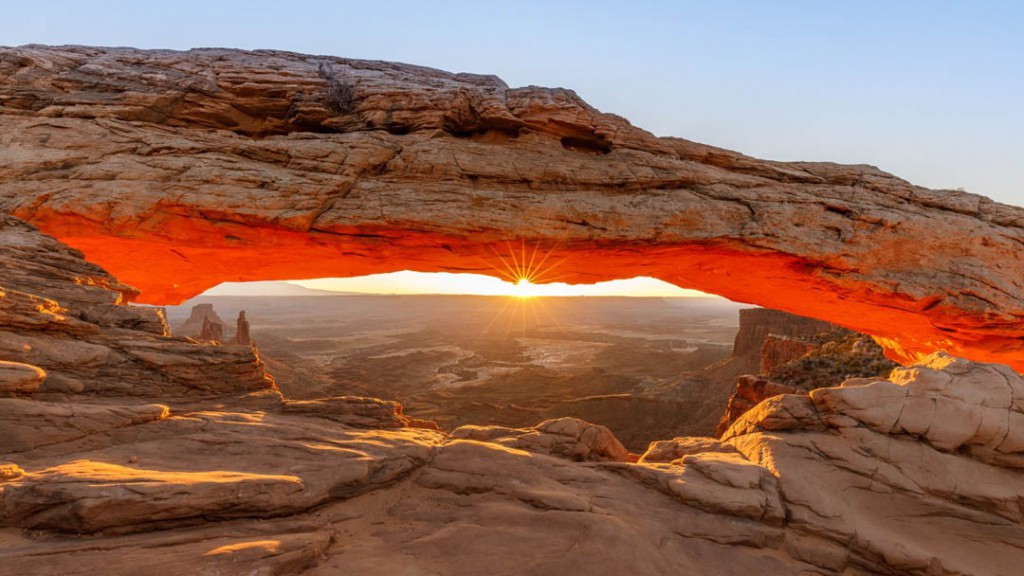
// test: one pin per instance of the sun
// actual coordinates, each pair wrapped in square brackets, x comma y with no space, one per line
[523,288]
[528,272]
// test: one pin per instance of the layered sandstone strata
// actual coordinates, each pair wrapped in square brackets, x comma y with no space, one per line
[66,319]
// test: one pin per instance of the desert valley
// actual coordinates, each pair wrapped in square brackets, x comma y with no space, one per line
[496,360]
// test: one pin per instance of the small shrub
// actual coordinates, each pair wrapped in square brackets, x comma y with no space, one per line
[340,94]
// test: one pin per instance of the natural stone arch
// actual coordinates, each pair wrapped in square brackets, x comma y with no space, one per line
[177,171]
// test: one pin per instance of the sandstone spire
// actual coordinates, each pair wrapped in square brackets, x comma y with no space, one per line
[242,330]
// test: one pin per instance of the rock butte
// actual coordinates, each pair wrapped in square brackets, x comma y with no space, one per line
[179,170]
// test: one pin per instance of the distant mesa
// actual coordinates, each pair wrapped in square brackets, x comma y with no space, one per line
[203,315]
[206,325]
[266,289]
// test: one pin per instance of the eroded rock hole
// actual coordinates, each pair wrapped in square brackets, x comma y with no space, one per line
[596,145]
[484,134]
[647,368]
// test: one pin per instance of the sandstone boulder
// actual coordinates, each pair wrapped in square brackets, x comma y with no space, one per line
[351,411]
[566,437]
[20,378]
[750,391]
[667,451]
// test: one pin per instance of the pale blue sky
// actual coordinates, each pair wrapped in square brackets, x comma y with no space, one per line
[929,90]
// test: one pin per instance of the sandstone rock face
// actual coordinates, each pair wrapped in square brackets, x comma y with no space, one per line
[211,332]
[31,424]
[949,403]
[179,170]
[757,325]
[965,476]
[65,318]
[778,350]
[356,412]
[217,466]
[668,451]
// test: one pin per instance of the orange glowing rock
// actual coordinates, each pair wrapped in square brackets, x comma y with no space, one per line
[257,179]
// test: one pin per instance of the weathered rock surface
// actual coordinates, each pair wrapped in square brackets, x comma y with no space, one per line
[356,411]
[566,437]
[30,424]
[179,170]
[668,451]
[187,470]
[66,318]
[18,377]
[908,506]
[826,484]
[949,403]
